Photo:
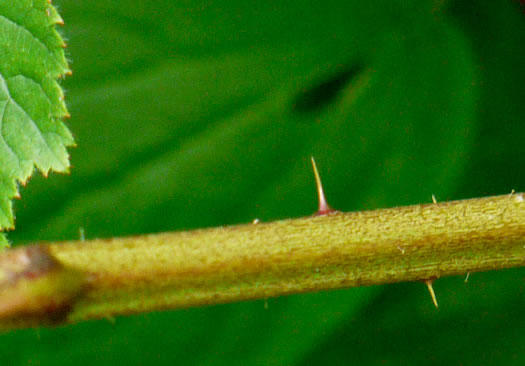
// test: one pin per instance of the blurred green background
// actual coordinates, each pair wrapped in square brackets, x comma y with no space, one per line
[204,113]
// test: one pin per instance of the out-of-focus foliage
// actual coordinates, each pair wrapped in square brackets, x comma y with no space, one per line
[190,114]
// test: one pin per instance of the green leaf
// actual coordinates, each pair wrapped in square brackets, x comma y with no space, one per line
[192,114]
[31,101]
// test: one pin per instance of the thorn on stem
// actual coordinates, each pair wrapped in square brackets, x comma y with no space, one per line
[434,200]
[517,198]
[324,208]
[467,276]
[429,284]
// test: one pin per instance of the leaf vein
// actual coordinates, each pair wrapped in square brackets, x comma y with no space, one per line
[21,28]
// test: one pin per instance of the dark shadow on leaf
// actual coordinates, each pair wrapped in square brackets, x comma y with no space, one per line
[326,91]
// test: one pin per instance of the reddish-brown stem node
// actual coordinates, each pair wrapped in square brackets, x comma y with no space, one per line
[35,287]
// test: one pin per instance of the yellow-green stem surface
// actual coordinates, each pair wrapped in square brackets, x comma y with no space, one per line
[219,265]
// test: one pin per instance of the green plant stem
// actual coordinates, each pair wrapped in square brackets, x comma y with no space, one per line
[73,281]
